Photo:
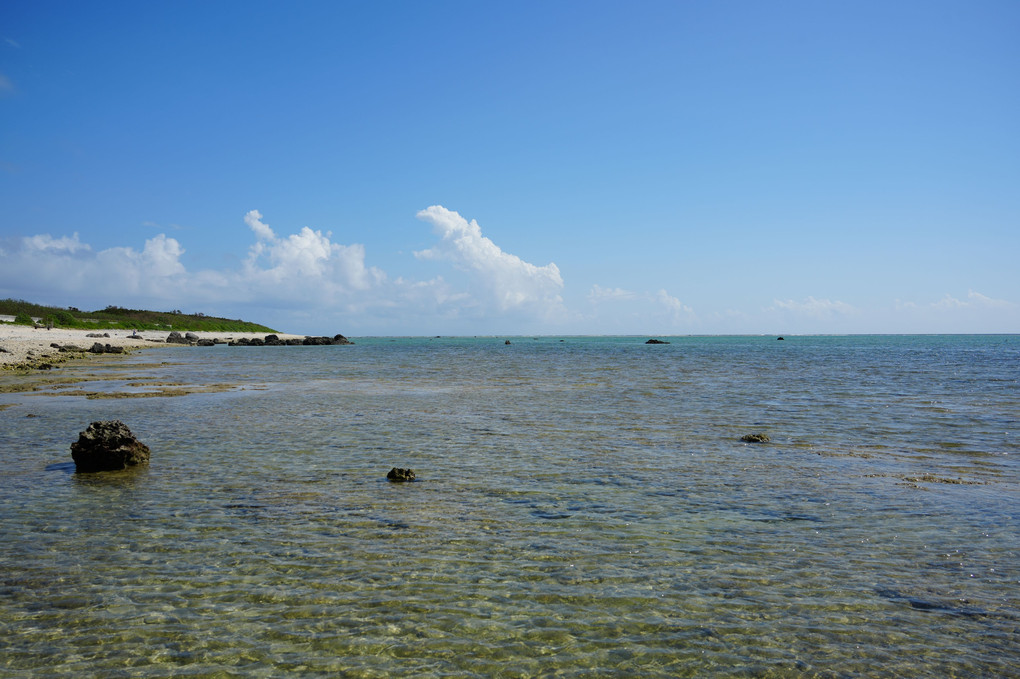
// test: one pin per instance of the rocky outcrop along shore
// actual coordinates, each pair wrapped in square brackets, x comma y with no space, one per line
[267,341]
[275,341]
[98,348]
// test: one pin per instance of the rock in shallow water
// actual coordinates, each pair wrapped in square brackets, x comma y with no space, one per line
[755,438]
[397,474]
[108,446]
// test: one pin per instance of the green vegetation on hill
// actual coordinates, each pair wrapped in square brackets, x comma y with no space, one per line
[114,317]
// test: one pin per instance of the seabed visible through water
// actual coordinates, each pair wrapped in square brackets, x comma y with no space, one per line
[583,508]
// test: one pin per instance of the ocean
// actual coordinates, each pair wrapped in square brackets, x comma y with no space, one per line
[584,507]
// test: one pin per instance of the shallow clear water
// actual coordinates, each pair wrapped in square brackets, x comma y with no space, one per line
[584,508]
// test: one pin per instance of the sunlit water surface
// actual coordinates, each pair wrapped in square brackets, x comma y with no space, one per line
[584,507]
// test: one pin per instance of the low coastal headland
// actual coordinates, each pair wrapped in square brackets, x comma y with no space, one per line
[27,348]
[37,337]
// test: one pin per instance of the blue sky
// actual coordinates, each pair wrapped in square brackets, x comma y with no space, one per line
[517,168]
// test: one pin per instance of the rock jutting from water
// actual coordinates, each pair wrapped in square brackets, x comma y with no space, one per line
[397,474]
[755,438]
[108,446]
[656,341]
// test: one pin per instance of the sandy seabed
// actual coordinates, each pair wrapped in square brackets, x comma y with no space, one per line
[23,346]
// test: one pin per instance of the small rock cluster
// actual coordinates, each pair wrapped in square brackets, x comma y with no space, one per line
[98,348]
[192,339]
[275,341]
[177,338]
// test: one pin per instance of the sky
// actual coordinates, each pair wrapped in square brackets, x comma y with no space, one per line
[554,167]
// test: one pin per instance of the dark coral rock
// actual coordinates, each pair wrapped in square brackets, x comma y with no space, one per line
[316,341]
[176,338]
[755,438]
[98,348]
[398,474]
[108,446]
[325,341]
[656,341]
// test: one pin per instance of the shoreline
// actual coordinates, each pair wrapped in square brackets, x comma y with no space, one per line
[24,348]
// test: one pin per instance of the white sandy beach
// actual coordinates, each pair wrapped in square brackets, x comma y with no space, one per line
[23,344]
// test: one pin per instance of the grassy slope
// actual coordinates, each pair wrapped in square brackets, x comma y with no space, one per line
[131,319]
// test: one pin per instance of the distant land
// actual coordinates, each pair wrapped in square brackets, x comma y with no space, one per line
[115,317]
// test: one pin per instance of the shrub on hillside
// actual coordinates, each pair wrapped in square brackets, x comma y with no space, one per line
[64,319]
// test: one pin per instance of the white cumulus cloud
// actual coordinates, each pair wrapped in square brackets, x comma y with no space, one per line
[161,257]
[47,243]
[672,304]
[48,266]
[307,256]
[254,221]
[509,280]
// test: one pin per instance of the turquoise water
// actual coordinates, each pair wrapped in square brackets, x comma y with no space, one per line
[584,508]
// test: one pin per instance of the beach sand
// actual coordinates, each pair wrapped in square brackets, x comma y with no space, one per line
[24,347]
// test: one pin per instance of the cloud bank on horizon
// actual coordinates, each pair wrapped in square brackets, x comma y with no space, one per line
[307,282]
